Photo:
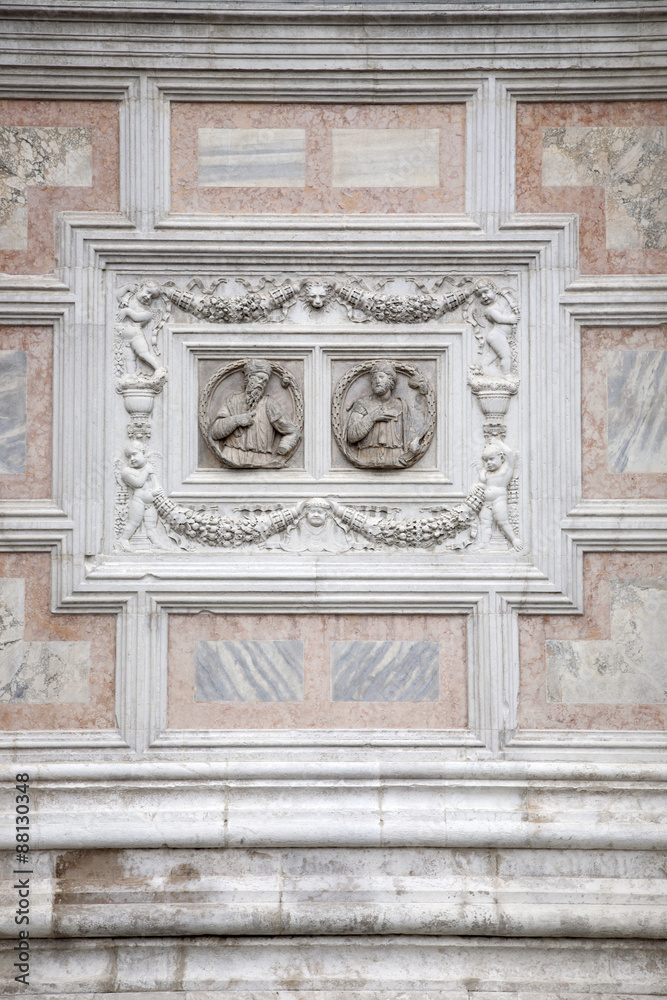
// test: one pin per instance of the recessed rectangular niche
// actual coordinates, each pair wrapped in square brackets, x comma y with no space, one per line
[252,157]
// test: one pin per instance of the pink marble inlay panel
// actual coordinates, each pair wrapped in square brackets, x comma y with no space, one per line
[598,481]
[43,202]
[317,711]
[587,202]
[37,342]
[318,194]
[535,711]
[42,626]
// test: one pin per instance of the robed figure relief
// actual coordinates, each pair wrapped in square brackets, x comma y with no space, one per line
[382,429]
[251,428]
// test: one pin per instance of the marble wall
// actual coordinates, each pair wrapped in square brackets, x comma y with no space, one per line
[320,671]
[56,671]
[317,157]
[624,412]
[57,156]
[606,161]
[607,669]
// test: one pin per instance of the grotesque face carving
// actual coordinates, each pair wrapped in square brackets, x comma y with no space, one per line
[316,516]
[317,294]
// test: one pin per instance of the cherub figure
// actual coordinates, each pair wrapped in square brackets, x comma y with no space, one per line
[139,477]
[499,463]
[134,315]
[494,323]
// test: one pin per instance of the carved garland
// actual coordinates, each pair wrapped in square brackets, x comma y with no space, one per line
[416,380]
[287,381]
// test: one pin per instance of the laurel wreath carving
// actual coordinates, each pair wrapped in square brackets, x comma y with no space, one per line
[416,380]
[287,381]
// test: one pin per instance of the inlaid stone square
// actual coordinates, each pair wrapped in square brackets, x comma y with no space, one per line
[385,671]
[630,667]
[393,157]
[251,671]
[252,157]
[637,411]
[13,410]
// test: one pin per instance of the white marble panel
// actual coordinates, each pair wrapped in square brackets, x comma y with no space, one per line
[630,162]
[249,671]
[630,667]
[13,410]
[252,157]
[385,671]
[386,157]
[637,411]
[37,673]
[34,156]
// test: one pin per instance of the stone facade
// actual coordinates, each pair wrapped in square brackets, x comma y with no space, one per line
[332,482]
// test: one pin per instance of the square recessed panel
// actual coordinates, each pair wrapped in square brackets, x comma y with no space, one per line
[385,671]
[252,157]
[391,157]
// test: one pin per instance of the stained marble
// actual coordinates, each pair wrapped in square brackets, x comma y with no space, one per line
[13,411]
[252,157]
[249,671]
[385,671]
[396,157]
[34,156]
[637,411]
[628,668]
[629,162]
[37,673]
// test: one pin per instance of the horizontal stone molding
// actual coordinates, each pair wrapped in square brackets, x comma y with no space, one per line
[421,968]
[356,891]
[305,804]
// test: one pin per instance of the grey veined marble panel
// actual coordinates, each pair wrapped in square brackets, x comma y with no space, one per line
[386,157]
[252,157]
[637,411]
[630,668]
[629,162]
[385,671]
[13,396]
[249,671]
[37,673]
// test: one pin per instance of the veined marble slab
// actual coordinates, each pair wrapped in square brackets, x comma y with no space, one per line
[385,671]
[253,670]
[630,668]
[37,673]
[637,411]
[13,410]
[629,162]
[34,156]
[252,157]
[386,157]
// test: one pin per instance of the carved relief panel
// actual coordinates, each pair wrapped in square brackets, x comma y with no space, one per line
[301,413]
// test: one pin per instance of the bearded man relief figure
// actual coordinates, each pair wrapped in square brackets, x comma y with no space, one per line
[384,430]
[252,430]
